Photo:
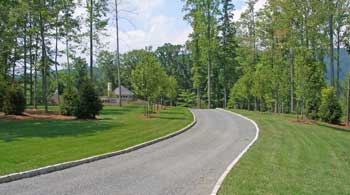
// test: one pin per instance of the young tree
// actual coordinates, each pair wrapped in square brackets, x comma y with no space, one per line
[146,78]
[172,89]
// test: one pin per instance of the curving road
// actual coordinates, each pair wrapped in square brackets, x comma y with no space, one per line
[189,163]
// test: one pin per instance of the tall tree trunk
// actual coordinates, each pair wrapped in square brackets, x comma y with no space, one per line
[30,62]
[36,72]
[14,61]
[91,39]
[209,50]
[43,60]
[291,80]
[118,57]
[198,98]
[338,61]
[348,103]
[225,96]
[25,60]
[331,50]
[56,62]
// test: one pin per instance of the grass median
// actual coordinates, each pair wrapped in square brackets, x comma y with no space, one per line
[292,158]
[29,144]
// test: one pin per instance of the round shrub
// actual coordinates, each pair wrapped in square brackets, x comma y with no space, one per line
[14,101]
[69,101]
[330,109]
[89,104]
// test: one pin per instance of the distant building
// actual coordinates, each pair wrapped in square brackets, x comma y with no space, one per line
[54,99]
[126,93]
[126,96]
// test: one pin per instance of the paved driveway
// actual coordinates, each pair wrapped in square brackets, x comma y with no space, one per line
[189,163]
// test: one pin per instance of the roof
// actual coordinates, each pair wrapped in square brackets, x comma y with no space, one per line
[125,91]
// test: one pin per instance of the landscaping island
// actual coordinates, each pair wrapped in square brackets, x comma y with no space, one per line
[292,157]
[32,143]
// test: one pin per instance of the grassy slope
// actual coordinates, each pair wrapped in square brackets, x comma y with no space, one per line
[35,143]
[291,158]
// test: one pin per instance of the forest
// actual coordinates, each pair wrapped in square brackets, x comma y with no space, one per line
[270,59]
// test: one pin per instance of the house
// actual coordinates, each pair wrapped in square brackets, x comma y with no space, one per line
[113,98]
[126,94]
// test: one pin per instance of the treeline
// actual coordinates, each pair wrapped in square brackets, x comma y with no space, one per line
[43,53]
[282,55]
[272,59]
[32,35]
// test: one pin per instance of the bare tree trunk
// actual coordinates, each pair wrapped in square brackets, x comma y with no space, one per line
[291,80]
[225,95]
[14,61]
[36,73]
[338,61]
[118,57]
[331,49]
[91,39]
[43,59]
[25,61]
[209,50]
[31,62]
[348,103]
[198,98]
[56,62]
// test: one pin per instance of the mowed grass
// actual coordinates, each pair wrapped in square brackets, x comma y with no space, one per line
[292,158]
[29,144]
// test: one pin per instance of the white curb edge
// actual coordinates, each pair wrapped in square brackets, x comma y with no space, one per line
[66,165]
[234,162]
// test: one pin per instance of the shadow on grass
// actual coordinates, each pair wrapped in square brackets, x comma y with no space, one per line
[333,127]
[169,117]
[15,130]
[171,112]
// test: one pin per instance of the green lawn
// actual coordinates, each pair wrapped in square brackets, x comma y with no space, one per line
[292,158]
[31,144]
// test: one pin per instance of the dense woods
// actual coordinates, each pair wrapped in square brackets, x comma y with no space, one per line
[278,58]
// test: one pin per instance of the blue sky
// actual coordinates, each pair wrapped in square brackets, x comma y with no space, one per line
[153,23]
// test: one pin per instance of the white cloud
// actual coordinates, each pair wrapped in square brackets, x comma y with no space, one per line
[151,27]
[259,4]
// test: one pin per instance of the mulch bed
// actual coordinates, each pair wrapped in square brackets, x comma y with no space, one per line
[32,114]
[312,122]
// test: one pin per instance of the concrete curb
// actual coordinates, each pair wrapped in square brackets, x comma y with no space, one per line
[66,165]
[235,161]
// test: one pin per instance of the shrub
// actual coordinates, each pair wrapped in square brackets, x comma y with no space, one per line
[312,107]
[330,109]
[14,101]
[89,104]
[2,95]
[69,100]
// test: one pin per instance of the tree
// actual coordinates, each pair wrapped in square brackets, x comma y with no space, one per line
[43,15]
[146,78]
[118,54]
[14,101]
[228,47]
[97,11]
[89,104]
[330,109]
[203,15]
[172,89]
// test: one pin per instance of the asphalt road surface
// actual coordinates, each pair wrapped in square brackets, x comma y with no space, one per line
[190,163]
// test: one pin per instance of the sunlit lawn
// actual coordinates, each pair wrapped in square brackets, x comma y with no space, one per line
[292,158]
[31,144]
